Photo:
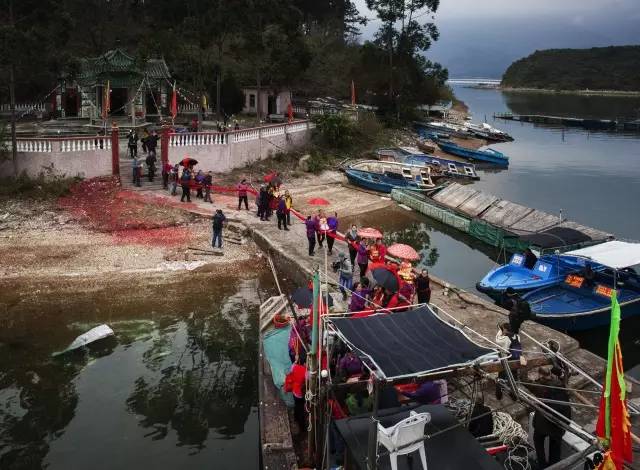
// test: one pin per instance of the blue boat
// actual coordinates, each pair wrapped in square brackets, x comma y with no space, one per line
[386,176]
[548,270]
[580,303]
[487,156]
[409,155]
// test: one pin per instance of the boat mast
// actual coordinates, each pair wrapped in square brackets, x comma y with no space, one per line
[312,362]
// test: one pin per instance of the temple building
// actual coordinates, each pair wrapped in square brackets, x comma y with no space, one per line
[139,90]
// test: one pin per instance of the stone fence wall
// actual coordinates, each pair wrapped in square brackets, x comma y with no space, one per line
[99,156]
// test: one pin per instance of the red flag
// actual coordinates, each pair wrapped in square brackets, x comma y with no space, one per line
[353,93]
[614,426]
[174,103]
[290,112]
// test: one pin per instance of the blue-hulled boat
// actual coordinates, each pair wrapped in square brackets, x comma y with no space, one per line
[577,303]
[450,168]
[548,270]
[487,155]
[384,176]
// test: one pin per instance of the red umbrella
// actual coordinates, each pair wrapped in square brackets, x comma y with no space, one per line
[318,201]
[369,232]
[186,161]
[402,251]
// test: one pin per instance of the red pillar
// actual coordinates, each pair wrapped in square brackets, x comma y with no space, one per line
[164,145]
[115,150]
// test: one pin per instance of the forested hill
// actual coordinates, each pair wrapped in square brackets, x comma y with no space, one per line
[599,68]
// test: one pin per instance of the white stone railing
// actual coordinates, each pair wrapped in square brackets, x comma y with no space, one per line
[57,144]
[234,137]
[197,138]
[24,107]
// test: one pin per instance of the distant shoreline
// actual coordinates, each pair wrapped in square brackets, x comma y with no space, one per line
[571,92]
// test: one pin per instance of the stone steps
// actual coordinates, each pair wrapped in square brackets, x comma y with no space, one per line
[126,178]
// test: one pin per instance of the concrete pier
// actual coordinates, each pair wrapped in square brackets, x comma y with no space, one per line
[290,255]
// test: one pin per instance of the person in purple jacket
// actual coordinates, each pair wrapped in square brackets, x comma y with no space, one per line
[358,298]
[332,221]
[311,234]
[362,258]
[349,365]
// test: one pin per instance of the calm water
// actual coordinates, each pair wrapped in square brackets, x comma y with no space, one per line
[175,388]
[593,178]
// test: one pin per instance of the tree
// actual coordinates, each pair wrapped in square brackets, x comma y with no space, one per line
[405,37]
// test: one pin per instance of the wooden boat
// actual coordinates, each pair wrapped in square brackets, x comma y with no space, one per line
[426,146]
[386,176]
[487,132]
[486,156]
[441,127]
[439,165]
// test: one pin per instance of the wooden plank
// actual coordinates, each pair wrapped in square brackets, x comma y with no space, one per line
[505,213]
[448,190]
[276,444]
[477,204]
[594,233]
[535,221]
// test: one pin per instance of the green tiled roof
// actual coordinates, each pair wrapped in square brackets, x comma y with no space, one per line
[120,69]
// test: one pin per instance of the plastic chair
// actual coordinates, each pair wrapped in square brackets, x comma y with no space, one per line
[405,437]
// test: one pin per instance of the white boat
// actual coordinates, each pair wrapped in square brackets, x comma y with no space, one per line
[94,334]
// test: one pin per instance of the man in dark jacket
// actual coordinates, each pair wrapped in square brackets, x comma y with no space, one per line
[549,388]
[311,234]
[151,165]
[217,224]
[208,181]
[423,287]
[185,181]
[152,143]
[263,203]
[132,143]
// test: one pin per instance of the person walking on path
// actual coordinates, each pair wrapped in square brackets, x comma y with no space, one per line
[151,165]
[242,194]
[152,143]
[135,166]
[352,239]
[288,200]
[175,172]
[363,258]
[381,249]
[200,183]
[263,202]
[166,171]
[423,287]
[217,223]
[332,222]
[345,280]
[208,181]
[132,143]
[321,226]
[185,181]
[281,213]
[311,234]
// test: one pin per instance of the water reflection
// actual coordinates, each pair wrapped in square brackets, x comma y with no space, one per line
[177,381]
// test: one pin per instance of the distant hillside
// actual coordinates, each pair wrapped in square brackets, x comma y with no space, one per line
[600,68]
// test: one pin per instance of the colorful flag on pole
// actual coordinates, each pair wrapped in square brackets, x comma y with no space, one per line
[106,100]
[174,103]
[353,93]
[614,426]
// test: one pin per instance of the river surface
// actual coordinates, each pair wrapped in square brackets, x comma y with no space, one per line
[175,388]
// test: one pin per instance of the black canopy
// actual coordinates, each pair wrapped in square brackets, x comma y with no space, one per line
[408,343]
[556,237]
[455,449]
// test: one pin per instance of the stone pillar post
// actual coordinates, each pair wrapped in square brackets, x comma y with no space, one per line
[115,149]
[164,145]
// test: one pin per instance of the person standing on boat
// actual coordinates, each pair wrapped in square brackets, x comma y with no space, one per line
[530,259]
[352,240]
[423,287]
[311,234]
[549,388]
[363,258]
[508,341]
[295,382]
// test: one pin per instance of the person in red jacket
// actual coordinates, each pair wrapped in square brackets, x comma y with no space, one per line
[295,382]
[242,188]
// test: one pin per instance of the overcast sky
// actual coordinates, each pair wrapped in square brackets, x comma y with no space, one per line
[482,37]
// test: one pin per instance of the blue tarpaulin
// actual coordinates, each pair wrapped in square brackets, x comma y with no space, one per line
[275,344]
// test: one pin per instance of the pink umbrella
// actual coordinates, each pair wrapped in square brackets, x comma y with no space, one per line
[369,232]
[402,251]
